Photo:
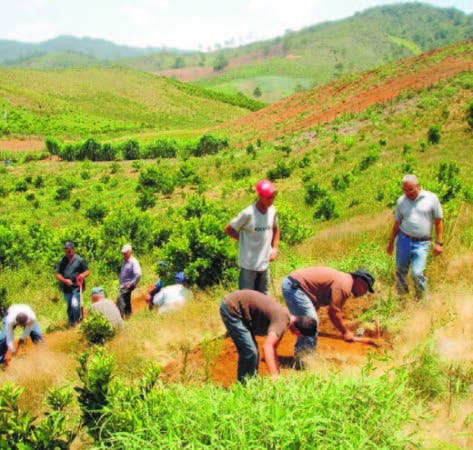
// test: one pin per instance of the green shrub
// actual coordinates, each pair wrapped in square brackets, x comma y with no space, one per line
[96,213]
[240,173]
[313,192]
[448,176]
[209,145]
[146,199]
[282,170]
[96,328]
[433,135]
[326,209]
[469,114]
[158,179]
[131,150]
[162,148]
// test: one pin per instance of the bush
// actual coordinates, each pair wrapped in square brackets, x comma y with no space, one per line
[157,180]
[240,173]
[282,170]
[433,135]
[469,114]
[313,192]
[96,328]
[326,209]
[209,145]
[131,150]
[449,178]
[162,148]
[96,213]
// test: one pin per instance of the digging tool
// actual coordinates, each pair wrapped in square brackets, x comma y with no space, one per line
[81,299]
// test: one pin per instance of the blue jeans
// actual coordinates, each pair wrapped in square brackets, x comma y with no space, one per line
[299,304]
[414,254]
[244,342]
[73,306]
[254,280]
[35,336]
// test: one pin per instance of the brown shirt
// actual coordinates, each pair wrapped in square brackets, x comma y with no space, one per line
[325,286]
[260,313]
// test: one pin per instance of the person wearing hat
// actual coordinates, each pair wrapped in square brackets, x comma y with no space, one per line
[173,297]
[19,315]
[306,290]
[71,271]
[257,231]
[106,307]
[130,274]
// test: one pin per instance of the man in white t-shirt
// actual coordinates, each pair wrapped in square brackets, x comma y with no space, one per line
[173,297]
[19,315]
[257,231]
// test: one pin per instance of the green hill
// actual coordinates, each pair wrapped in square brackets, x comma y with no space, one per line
[107,102]
[323,52]
[337,182]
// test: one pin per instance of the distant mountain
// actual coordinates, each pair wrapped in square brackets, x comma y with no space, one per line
[273,69]
[100,49]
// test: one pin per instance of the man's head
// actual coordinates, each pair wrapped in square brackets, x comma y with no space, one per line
[410,187]
[363,282]
[266,192]
[69,248]
[21,319]
[97,293]
[126,251]
[303,325]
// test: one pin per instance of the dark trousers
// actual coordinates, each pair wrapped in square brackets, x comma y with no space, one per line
[124,301]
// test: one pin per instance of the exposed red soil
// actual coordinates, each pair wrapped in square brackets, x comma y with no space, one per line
[197,73]
[222,369]
[22,145]
[223,366]
[325,103]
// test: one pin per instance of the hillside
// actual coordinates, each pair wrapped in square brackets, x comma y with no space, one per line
[337,182]
[107,102]
[318,54]
[352,94]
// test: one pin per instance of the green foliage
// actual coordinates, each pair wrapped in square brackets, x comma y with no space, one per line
[448,176]
[220,62]
[341,182]
[370,158]
[147,199]
[425,375]
[293,231]
[198,244]
[282,170]
[96,328]
[240,173]
[162,148]
[95,373]
[326,209]
[157,180]
[131,150]
[433,135]
[313,193]
[96,213]
[364,414]
[20,431]
[209,145]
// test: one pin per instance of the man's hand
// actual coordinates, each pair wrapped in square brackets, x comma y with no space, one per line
[273,254]
[438,249]
[389,249]
[348,336]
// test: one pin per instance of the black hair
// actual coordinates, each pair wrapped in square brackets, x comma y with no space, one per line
[21,319]
[306,325]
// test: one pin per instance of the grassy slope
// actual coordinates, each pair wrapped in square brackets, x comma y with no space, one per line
[357,237]
[104,102]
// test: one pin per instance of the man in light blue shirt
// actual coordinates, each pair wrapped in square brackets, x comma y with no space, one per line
[416,213]
[130,274]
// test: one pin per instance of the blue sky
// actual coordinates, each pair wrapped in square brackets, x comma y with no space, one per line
[185,24]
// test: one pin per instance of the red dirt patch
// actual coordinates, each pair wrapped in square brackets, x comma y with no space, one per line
[325,103]
[223,368]
[22,145]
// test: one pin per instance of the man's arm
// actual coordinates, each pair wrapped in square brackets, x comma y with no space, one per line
[63,280]
[271,358]
[336,317]
[438,248]
[394,232]
[231,232]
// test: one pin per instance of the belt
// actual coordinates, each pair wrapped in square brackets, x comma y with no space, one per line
[416,239]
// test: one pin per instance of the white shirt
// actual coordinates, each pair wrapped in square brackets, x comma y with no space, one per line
[10,323]
[172,297]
